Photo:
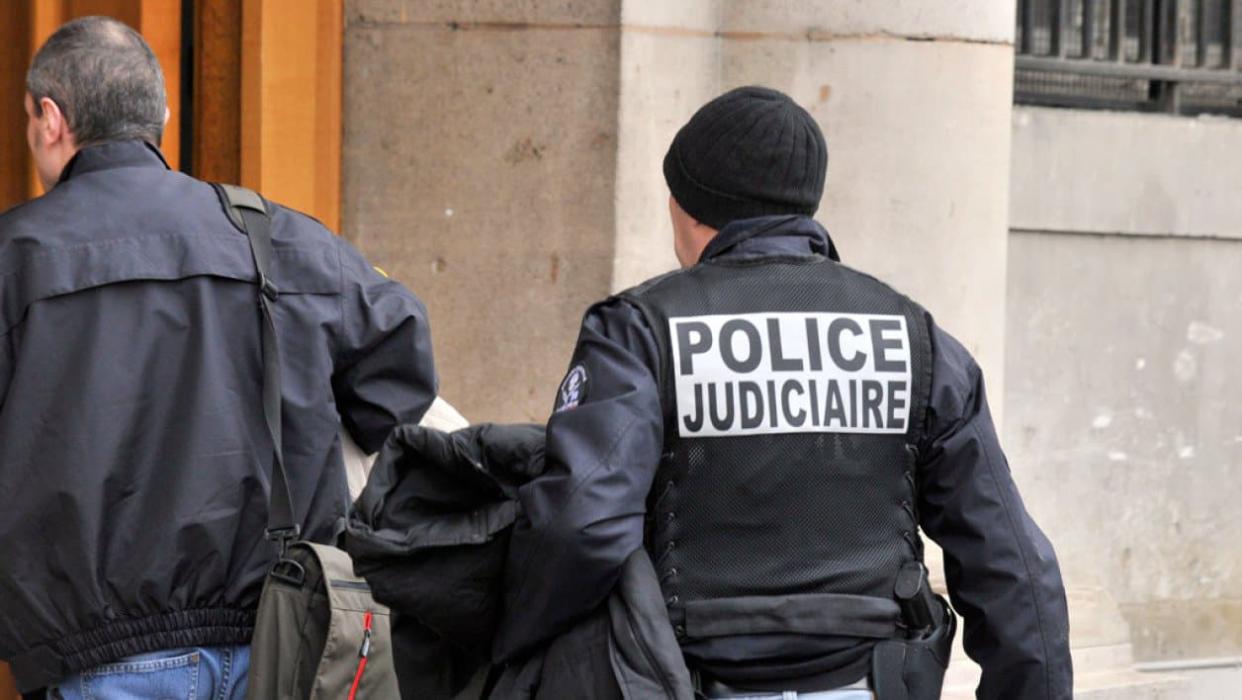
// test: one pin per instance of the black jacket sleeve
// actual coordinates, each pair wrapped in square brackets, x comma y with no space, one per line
[1001,570]
[384,374]
[584,516]
[6,365]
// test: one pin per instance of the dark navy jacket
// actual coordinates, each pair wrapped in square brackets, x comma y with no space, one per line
[134,461]
[586,514]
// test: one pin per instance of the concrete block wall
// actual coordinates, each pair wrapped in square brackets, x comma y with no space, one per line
[1123,338]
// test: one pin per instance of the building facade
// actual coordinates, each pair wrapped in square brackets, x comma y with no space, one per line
[503,160]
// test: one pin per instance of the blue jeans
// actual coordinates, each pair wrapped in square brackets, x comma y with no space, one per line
[846,694]
[201,673]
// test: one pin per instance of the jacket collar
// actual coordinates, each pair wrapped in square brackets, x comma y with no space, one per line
[771,235]
[114,154]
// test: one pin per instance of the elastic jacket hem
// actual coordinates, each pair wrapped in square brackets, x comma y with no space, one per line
[837,614]
[52,661]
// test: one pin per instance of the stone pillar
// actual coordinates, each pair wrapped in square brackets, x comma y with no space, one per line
[915,100]
[479,165]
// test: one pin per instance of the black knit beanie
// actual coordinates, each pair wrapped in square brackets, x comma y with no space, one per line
[750,152]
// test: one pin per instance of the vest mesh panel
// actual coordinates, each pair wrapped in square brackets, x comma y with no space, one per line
[787,514]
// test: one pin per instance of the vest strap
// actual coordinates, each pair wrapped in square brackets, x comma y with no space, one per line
[834,614]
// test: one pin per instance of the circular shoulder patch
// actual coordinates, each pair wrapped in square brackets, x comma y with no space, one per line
[573,389]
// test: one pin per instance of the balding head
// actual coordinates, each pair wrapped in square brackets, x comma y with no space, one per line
[104,78]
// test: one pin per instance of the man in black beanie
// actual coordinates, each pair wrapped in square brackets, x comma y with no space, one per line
[775,428]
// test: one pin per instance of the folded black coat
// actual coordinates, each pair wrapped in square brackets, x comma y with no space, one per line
[430,533]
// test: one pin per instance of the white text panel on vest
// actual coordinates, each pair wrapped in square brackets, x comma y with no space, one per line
[779,372]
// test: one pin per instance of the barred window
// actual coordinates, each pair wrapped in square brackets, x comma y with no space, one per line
[1174,56]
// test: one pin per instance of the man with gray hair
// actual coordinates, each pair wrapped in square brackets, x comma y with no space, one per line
[98,79]
[133,450]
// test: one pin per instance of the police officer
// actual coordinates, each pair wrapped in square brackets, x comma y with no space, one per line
[134,457]
[775,428]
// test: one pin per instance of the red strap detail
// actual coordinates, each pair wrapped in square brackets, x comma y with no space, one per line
[353,691]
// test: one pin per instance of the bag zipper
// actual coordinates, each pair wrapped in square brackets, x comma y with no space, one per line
[362,655]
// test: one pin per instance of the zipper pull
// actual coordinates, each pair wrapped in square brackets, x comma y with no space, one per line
[362,656]
[366,636]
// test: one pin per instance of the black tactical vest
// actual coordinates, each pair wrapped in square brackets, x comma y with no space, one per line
[794,391]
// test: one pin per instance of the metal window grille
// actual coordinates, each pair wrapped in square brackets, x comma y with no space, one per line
[1175,56]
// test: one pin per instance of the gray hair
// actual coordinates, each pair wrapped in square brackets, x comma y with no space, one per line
[104,78]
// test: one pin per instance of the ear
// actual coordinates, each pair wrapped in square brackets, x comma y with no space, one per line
[52,123]
[701,230]
[698,228]
[167,115]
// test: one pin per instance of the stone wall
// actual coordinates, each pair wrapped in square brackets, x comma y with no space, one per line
[503,158]
[479,169]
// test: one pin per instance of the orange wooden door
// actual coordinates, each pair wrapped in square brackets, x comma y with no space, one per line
[267,109]
[266,105]
[26,24]
[7,689]
[267,100]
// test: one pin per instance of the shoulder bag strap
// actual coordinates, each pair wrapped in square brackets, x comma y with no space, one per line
[248,210]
